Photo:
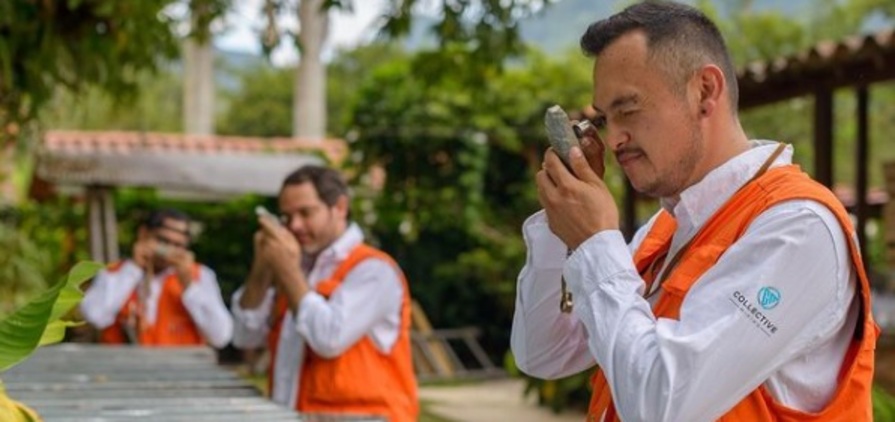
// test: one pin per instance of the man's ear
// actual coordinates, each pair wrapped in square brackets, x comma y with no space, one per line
[142,233]
[710,87]
[341,206]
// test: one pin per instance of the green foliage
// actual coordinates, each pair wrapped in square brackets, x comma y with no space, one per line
[38,322]
[156,105]
[486,29]
[22,266]
[262,106]
[460,161]
[345,75]
[203,13]
[38,242]
[75,44]
[883,405]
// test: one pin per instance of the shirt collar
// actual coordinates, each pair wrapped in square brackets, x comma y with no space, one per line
[699,202]
[343,246]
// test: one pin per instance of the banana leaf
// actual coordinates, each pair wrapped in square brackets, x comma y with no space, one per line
[38,322]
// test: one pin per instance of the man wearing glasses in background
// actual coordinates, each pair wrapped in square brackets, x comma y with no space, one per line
[160,296]
[334,312]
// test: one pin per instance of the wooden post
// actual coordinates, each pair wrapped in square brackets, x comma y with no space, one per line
[110,226]
[102,225]
[861,154]
[823,136]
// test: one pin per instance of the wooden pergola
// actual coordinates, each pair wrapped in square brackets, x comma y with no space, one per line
[94,164]
[856,62]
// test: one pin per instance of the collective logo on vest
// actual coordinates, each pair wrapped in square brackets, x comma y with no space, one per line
[767,298]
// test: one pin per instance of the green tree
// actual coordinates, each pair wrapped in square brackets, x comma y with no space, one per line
[262,104]
[459,161]
[75,44]
[155,105]
[486,31]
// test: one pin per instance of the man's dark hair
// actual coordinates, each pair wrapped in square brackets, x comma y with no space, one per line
[329,183]
[156,219]
[679,36]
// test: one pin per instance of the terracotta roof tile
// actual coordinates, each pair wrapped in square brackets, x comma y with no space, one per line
[124,143]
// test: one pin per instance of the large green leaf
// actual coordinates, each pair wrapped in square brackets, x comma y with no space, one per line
[25,329]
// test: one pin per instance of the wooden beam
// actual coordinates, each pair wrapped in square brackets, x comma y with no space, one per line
[823,137]
[796,83]
[629,211]
[861,154]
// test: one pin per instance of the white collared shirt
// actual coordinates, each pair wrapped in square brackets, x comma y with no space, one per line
[110,290]
[698,367]
[367,303]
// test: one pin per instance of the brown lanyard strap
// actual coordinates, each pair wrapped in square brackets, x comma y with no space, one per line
[675,260]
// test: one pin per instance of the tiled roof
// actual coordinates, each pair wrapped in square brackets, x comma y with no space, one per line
[200,165]
[121,142]
[860,59]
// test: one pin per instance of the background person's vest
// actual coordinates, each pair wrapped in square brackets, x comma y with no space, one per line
[362,380]
[173,324]
[851,401]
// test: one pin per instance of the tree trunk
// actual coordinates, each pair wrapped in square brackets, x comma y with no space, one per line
[198,87]
[309,103]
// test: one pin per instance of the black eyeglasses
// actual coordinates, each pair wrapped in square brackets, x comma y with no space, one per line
[169,242]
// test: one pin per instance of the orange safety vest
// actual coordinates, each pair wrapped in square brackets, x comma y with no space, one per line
[173,324]
[851,401]
[362,380]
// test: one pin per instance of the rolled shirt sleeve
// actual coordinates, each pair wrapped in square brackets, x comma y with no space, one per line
[251,326]
[202,299]
[108,293]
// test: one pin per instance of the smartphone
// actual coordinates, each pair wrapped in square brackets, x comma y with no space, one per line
[561,133]
[161,250]
[262,212]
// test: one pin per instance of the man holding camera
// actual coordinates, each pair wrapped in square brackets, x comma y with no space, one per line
[160,296]
[334,311]
[743,299]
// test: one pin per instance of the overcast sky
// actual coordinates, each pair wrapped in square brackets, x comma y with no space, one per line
[346,29]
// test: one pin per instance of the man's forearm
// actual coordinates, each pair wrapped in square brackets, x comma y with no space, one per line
[255,287]
[294,286]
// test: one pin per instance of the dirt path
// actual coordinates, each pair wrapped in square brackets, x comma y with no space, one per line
[487,401]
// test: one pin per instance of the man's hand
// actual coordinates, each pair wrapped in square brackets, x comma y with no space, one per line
[260,276]
[143,252]
[183,261]
[281,251]
[578,205]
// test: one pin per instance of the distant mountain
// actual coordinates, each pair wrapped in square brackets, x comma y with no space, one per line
[229,65]
[558,26]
